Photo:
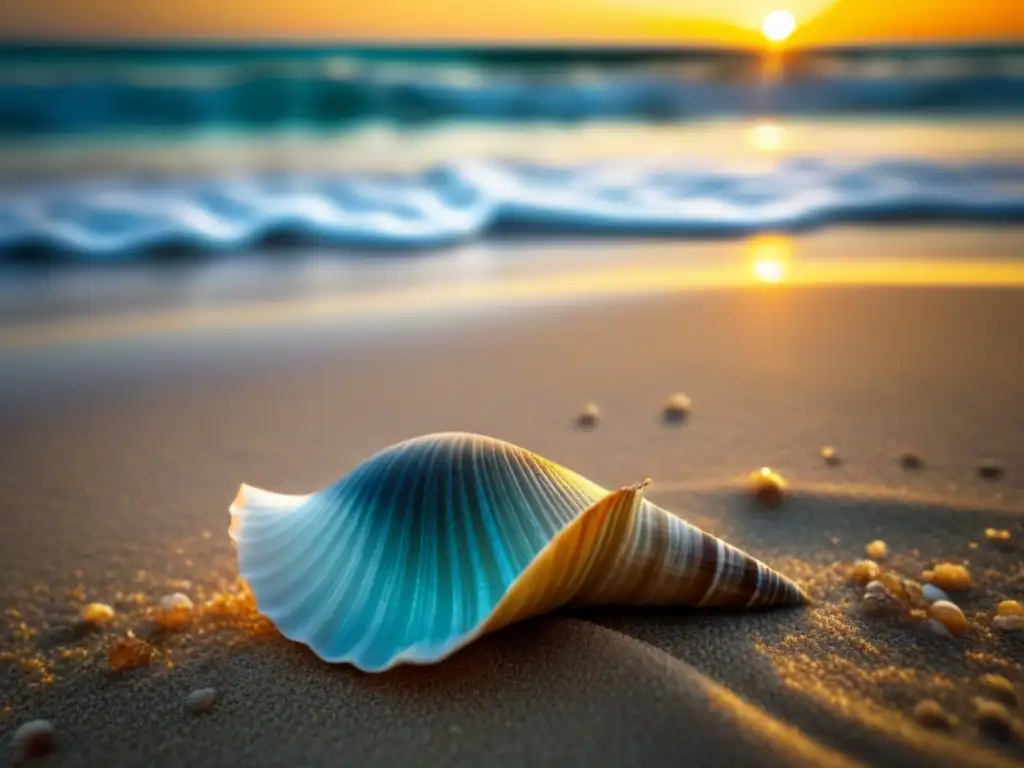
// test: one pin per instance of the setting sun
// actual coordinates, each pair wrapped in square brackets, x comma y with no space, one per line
[778,26]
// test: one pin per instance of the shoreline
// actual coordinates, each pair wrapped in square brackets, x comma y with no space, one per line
[137,299]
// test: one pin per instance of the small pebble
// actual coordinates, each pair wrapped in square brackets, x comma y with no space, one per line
[589,416]
[930,714]
[895,585]
[129,653]
[997,536]
[97,613]
[989,470]
[910,460]
[993,719]
[1000,689]
[933,594]
[1010,608]
[950,615]
[938,628]
[767,487]
[829,455]
[1009,623]
[915,594]
[877,550]
[174,611]
[31,740]
[882,604]
[865,572]
[677,408]
[875,588]
[201,700]
[948,576]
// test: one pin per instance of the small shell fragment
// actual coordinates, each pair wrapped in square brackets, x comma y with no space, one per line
[1000,689]
[930,714]
[677,408]
[865,572]
[129,653]
[32,739]
[97,613]
[201,700]
[174,611]
[767,487]
[1009,623]
[948,576]
[877,550]
[950,615]
[829,455]
[933,594]
[589,416]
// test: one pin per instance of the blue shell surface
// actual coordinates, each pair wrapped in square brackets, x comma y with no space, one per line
[405,559]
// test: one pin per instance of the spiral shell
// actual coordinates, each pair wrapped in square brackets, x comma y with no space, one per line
[437,540]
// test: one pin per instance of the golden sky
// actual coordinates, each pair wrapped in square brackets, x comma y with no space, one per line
[518,21]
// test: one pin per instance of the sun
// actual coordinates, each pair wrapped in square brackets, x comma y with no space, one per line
[778,26]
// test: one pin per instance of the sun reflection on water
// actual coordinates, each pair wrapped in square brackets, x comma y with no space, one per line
[771,256]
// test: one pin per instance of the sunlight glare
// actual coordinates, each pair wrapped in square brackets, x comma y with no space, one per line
[771,255]
[778,26]
[767,137]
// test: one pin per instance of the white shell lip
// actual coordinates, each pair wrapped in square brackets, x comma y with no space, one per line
[306,625]
[250,498]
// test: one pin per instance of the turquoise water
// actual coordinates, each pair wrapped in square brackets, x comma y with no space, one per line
[55,91]
[72,99]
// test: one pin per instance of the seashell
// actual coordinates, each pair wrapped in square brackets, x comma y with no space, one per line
[438,540]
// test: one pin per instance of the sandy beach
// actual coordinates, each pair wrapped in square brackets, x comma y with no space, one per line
[128,424]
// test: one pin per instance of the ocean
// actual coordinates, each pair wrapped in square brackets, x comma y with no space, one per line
[114,153]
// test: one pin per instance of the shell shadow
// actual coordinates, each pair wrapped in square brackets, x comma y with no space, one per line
[672,418]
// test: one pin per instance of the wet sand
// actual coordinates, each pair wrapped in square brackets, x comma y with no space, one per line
[122,451]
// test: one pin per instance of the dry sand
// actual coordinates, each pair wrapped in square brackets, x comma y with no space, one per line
[119,459]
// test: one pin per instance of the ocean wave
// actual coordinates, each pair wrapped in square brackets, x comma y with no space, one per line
[334,91]
[127,216]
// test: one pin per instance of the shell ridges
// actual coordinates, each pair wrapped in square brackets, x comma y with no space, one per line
[437,540]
